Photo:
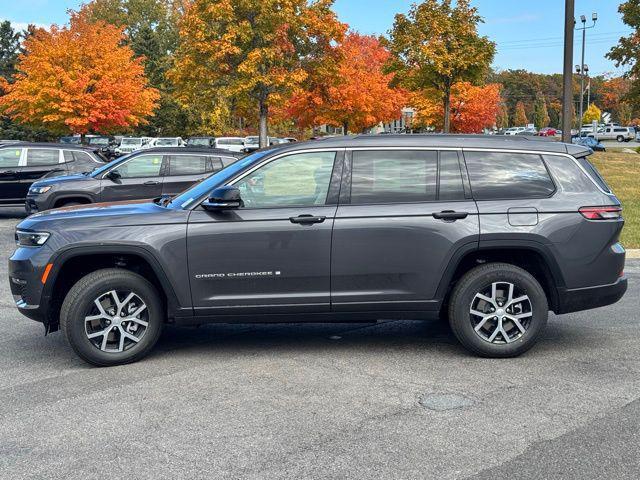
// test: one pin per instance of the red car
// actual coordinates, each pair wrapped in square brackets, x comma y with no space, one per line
[547,132]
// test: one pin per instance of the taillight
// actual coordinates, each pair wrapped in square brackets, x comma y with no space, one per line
[601,213]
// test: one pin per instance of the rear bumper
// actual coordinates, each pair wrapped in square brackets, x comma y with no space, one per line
[576,300]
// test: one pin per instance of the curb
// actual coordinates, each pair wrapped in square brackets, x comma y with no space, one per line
[633,253]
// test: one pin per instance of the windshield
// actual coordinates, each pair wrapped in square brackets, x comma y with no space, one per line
[199,190]
[98,141]
[165,142]
[199,142]
[131,141]
[253,139]
[230,141]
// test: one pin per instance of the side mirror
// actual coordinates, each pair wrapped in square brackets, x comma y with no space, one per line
[113,175]
[223,198]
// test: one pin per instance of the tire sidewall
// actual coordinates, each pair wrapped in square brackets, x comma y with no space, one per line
[79,309]
[461,321]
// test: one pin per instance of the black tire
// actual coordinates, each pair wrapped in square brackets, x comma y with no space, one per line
[620,138]
[474,282]
[80,300]
[70,203]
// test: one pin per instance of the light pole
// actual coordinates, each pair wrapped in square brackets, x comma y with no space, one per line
[582,68]
[567,73]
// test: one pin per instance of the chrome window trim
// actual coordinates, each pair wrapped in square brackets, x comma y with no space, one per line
[541,153]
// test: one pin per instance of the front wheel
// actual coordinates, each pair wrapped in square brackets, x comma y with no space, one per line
[498,310]
[112,317]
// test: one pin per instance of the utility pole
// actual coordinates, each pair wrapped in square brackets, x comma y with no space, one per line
[582,68]
[567,90]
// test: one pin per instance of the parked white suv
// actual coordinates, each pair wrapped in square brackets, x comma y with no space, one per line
[514,130]
[614,132]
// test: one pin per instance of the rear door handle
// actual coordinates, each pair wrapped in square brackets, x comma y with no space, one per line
[307,219]
[450,215]
[8,172]
[151,182]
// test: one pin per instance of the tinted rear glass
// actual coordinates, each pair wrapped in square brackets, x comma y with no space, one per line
[503,175]
[394,176]
[42,157]
[187,165]
[594,173]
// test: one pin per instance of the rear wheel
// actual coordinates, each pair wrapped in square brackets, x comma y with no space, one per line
[112,317]
[498,310]
[620,138]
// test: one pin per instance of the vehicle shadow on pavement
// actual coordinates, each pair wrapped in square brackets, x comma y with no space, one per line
[12,213]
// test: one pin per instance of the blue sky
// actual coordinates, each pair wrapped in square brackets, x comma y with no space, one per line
[528,33]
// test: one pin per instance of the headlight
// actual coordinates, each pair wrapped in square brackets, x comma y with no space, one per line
[31,239]
[39,190]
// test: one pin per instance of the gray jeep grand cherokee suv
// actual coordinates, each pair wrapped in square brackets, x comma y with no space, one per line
[491,232]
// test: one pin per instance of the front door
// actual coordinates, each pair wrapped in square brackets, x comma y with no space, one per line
[273,255]
[402,215]
[10,191]
[139,178]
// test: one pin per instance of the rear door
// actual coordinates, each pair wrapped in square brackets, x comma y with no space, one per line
[10,189]
[140,177]
[40,162]
[186,169]
[403,215]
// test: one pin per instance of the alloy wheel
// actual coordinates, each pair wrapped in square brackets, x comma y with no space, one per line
[116,321]
[501,313]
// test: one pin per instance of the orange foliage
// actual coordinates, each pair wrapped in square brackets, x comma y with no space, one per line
[356,94]
[79,79]
[472,108]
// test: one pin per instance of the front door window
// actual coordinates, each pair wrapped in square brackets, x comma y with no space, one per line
[296,180]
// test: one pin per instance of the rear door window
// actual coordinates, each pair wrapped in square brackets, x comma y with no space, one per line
[37,157]
[451,185]
[394,176]
[504,175]
[187,165]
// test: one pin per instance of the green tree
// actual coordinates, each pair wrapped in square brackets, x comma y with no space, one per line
[9,50]
[436,45]
[540,113]
[627,52]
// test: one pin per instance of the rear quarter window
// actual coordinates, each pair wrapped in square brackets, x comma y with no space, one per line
[568,175]
[593,173]
[505,175]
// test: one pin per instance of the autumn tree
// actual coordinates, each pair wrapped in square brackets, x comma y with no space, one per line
[79,79]
[502,117]
[472,108]
[593,113]
[356,94]
[540,113]
[151,30]
[251,55]
[520,117]
[627,51]
[436,45]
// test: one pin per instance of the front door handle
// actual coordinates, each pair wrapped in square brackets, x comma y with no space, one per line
[151,182]
[307,219]
[6,173]
[450,215]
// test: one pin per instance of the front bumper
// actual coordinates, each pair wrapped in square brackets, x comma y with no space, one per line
[26,267]
[576,300]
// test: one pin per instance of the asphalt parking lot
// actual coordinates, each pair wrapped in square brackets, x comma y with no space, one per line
[387,400]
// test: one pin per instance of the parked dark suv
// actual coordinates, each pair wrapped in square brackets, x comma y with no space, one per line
[21,164]
[142,174]
[491,232]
